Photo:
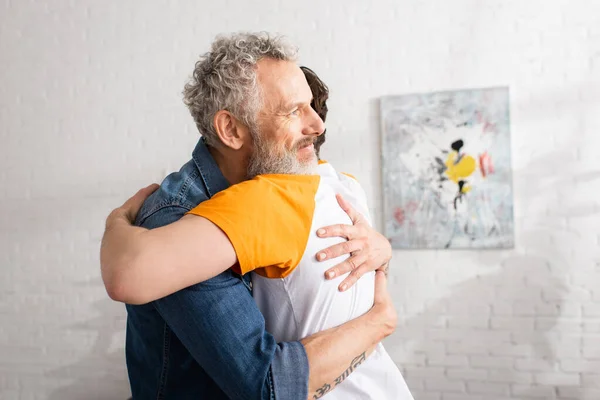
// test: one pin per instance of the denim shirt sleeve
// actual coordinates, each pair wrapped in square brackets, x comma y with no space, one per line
[221,326]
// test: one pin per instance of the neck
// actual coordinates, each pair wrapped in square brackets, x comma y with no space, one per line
[231,164]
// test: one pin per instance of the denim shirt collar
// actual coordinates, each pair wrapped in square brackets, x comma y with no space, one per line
[209,170]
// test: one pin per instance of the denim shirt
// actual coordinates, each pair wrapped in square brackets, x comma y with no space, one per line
[207,341]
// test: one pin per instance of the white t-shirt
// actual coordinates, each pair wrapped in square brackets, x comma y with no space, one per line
[272,222]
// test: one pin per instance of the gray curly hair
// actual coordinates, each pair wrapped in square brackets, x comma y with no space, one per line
[225,79]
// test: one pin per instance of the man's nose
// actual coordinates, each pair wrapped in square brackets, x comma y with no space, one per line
[314,125]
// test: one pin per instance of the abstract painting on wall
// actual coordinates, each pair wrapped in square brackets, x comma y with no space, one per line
[447,170]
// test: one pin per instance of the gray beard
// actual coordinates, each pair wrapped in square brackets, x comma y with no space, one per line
[268,159]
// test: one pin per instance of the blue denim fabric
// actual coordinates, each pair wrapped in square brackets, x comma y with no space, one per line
[207,341]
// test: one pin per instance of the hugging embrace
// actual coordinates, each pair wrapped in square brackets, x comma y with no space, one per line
[253,272]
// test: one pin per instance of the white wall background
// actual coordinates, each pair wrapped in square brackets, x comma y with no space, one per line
[90,111]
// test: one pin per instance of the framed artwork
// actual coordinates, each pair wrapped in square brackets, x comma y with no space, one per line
[447,177]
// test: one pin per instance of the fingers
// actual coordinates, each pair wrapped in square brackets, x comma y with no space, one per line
[381,292]
[353,263]
[340,249]
[340,230]
[132,206]
[354,215]
[148,190]
[353,277]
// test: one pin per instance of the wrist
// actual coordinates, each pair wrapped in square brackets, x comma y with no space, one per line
[383,320]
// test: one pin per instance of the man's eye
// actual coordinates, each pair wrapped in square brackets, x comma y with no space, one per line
[295,112]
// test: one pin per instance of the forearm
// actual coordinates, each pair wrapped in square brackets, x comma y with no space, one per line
[118,249]
[141,265]
[138,265]
[333,354]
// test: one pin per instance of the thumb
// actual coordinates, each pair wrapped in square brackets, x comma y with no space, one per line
[381,291]
[354,215]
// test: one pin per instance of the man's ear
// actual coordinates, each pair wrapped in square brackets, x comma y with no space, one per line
[230,130]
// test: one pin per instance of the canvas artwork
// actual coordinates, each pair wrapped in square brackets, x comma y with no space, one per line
[447,170]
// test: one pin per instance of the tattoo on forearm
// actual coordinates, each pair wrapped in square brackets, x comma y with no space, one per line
[322,391]
[326,388]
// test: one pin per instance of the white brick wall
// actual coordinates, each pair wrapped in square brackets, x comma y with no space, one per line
[90,110]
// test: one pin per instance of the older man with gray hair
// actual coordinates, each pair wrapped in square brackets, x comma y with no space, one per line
[209,340]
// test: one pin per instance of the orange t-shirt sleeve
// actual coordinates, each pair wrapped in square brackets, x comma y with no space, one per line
[267,219]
